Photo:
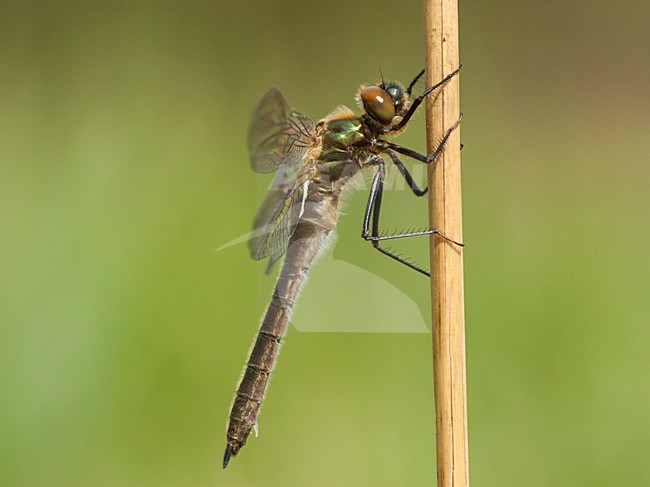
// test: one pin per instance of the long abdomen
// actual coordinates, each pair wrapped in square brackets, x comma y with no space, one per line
[305,244]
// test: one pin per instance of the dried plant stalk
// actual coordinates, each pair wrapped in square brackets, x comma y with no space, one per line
[442,57]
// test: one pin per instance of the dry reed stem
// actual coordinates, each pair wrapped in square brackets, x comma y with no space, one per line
[442,57]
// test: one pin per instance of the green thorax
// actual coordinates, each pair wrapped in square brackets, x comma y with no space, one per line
[338,138]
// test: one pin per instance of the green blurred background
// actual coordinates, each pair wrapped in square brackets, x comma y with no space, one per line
[123,167]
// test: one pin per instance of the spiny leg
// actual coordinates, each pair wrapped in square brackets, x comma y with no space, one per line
[421,157]
[416,103]
[412,84]
[373,207]
[406,175]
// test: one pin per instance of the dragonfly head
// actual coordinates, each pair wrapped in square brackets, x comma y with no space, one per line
[384,102]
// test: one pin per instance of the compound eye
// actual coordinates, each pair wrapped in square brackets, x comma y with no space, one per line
[378,104]
[397,94]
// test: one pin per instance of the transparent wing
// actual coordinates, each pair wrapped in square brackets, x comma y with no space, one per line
[280,212]
[278,135]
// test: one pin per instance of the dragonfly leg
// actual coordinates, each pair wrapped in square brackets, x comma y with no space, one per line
[370,230]
[407,176]
[373,208]
[416,103]
[422,157]
[412,84]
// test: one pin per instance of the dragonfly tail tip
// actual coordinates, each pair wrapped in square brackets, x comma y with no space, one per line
[226,456]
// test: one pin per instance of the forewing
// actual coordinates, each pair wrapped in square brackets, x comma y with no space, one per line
[278,135]
[280,212]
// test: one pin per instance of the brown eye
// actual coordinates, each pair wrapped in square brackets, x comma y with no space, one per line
[378,104]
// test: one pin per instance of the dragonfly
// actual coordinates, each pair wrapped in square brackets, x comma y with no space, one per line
[315,162]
